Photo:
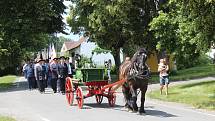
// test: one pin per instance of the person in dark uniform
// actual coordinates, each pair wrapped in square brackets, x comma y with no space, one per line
[63,72]
[54,74]
[71,68]
[45,71]
[48,73]
[30,75]
[40,76]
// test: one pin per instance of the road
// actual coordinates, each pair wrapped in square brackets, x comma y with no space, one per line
[27,105]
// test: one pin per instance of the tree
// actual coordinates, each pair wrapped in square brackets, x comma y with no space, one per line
[25,25]
[185,28]
[112,25]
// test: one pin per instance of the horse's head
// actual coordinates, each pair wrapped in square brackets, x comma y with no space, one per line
[141,56]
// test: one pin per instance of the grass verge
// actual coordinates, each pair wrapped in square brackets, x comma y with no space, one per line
[199,95]
[7,81]
[6,118]
[190,73]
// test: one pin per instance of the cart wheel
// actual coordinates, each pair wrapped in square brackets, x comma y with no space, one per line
[99,99]
[69,91]
[111,98]
[79,97]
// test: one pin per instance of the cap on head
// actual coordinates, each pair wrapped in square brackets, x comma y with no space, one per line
[62,57]
[55,59]
[40,60]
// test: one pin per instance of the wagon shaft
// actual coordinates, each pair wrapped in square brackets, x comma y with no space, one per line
[114,86]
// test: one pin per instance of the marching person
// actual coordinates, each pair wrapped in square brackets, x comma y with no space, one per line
[71,68]
[30,75]
[54,74]
[24,68]
[163,68]
[40,76]
[63,72]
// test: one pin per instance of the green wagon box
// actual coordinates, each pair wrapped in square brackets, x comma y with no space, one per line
[90,74]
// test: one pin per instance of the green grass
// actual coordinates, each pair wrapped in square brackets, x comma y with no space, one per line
[6,118]
[199,95]
[6,81]
[191,73]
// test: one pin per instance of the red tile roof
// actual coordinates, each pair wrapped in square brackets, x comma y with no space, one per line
[74,44]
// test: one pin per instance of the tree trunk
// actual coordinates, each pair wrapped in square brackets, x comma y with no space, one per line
[116,56]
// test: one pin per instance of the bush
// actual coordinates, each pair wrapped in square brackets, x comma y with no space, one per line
[190,60]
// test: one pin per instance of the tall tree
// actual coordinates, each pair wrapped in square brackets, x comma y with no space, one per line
[24,26]
[186,28]
[114,24]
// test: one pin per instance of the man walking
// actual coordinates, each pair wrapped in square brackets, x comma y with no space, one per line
[71,68]
[63,72]
[30,75]
[40,76]
[54,74]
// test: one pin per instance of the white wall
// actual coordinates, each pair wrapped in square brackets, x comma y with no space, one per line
[86,49]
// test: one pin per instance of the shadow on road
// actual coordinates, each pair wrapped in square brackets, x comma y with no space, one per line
[103,105]
[17,86]
[151,112]
[159,113]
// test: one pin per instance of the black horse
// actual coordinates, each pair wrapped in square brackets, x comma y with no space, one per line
[136,73]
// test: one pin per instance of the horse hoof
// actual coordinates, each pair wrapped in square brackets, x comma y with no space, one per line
[134,111]
[143,114]
[130,111]
[142,111]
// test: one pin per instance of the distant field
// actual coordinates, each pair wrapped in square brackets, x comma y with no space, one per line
[200,95]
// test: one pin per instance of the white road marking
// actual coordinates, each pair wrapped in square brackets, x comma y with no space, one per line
[185,109]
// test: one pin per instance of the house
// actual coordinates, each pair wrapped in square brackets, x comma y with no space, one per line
[153,61]
[82,47]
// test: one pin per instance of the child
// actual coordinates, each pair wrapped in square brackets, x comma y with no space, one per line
[164,77]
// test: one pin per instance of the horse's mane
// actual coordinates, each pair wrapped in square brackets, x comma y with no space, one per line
[128,66]
[124,68]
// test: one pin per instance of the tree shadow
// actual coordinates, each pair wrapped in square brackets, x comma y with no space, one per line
[197,84]
[17,86]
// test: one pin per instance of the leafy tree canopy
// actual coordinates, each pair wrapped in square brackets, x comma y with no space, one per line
[185,28]
[25,26]
[114,24]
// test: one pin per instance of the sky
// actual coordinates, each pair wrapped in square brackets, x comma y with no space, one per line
[71,35]
[86,48]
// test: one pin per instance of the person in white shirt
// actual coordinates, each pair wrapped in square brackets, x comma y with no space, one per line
[164,77]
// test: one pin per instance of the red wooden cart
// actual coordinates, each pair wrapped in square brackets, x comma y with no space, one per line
[93,79]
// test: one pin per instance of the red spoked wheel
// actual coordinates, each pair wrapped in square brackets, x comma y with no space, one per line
[69,91]
[79,97]
[99,99]
[111,97]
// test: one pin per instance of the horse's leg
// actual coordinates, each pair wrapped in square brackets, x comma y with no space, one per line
[143,92]
[125,92]
[134,98]
[127,95]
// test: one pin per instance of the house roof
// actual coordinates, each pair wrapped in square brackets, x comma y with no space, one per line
[73,44]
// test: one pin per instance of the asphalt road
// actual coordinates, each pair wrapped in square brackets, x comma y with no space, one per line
[27,105]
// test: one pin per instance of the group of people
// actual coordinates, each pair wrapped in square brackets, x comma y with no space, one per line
[42,73]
